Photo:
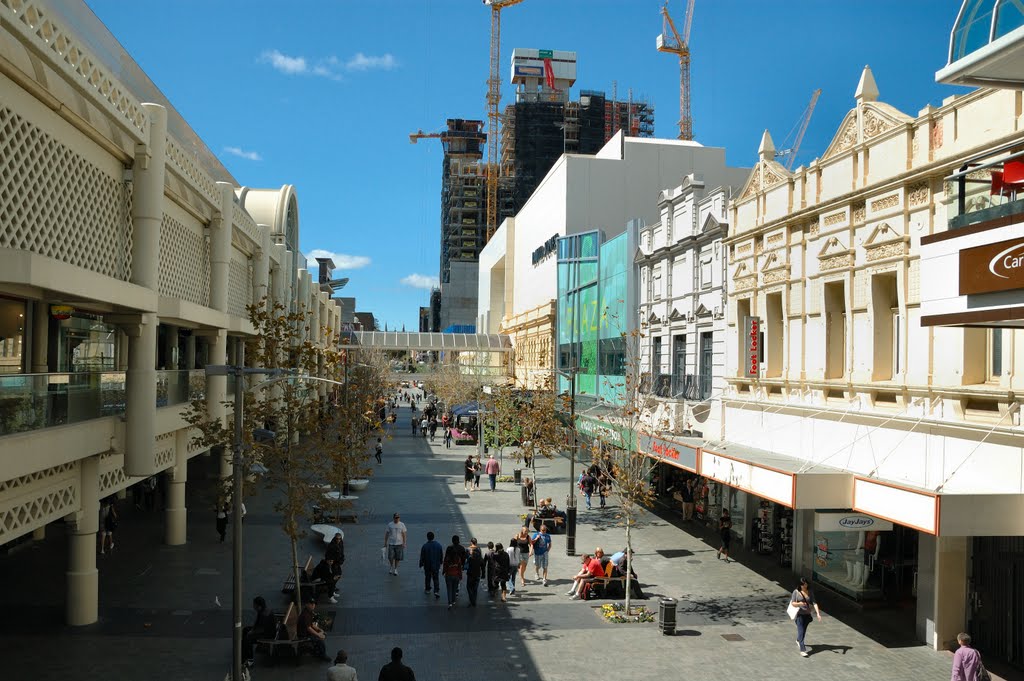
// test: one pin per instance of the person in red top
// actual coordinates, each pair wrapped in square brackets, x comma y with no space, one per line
[594,570]
[493,468]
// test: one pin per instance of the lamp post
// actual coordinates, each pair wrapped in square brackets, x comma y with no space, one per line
[570,502]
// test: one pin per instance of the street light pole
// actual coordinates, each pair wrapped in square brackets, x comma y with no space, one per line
[236,530]
[570,507]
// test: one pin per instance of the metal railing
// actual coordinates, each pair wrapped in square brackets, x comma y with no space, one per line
[690,387]
[978,192]
[34,401]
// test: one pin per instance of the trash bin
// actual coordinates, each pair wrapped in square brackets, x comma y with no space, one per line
[667,616]
[524,493]
[517,474]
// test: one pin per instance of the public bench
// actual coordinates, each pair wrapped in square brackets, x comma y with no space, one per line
[288,586]
[555,524]
[286,638]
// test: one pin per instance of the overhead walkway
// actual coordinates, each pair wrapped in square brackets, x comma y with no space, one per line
[427,342]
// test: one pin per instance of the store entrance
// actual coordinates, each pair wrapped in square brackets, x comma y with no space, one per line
[997,598]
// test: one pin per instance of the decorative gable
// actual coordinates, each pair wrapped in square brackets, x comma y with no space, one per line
[676,315]
[743,278]
[765,175]
[834,255]
[885,242]
[703,311]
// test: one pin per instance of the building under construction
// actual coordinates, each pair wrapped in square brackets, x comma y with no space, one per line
[544,123]
[463,179]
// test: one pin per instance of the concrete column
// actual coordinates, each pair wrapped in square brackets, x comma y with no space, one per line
[941,589]
[40,337]
[220,249]
[148,200]
[140,397]
[175,529]
[803,542]
[82,575]
[261,268]
[122,351]
[302,304]
[190,352]
[170,347]
[39,534]
[216,386]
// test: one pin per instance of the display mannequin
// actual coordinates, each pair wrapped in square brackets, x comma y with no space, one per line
[868,546]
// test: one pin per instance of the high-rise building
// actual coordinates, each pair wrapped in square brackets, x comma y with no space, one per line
[462,194]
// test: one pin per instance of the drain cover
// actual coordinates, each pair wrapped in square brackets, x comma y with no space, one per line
[674,553]
[733,637]
[460,496]
[695,562]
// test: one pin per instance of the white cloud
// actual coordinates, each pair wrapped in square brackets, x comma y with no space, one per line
[362,62]
[328,67]
[342,261]
[421,281]
[284,63]
[241,153]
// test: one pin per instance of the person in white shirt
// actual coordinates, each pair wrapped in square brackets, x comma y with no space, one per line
[514,558]
[340,671]
[394,542]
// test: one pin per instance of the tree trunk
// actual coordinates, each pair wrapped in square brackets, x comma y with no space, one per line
[629,557]
[296,568]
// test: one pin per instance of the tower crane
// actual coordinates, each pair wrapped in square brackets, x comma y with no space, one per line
[420,135]
[493,115]
[805,120]
[672,42]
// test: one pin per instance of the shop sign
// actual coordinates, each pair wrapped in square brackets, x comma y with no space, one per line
[849,522]
[545,249]
[546,54]
[529,71]
[751,346]
[763,482]
[992,267]
[61,311]
[595,430]
[672,452]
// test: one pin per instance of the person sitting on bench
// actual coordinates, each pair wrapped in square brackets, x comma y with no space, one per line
[307,627]
[325,574]
[265,626]
[549,510]
[594,571]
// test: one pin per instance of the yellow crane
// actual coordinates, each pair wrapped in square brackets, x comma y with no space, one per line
[672,42]
[805,120]
[493,115]
[420,135]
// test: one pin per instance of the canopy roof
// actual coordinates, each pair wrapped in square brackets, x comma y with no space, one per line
[401,340]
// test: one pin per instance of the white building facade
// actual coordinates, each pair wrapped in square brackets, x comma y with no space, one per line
[897,445]
[128,255]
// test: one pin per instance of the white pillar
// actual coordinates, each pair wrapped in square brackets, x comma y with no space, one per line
[220,249]
[82,575]
[140,397]
[148,200]
[171,347]
[216,387]
[190,352]
[261,268]
[941,589]
[176,527]
[39,534]
[40,337]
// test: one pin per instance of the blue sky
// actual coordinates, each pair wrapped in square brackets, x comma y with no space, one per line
[323,95]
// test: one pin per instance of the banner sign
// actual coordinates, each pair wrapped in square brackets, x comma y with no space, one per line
[992,267]
[751,347]
[669,451]
[850,521]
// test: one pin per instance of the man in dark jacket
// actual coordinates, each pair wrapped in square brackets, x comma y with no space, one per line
[474,569]
[327,580]
[264,627]
[431,555]
[395,670]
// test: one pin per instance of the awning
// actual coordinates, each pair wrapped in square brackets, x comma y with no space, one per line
[679,452]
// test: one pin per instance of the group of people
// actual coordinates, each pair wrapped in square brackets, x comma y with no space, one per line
[474,468]
[500,566]
[596,568]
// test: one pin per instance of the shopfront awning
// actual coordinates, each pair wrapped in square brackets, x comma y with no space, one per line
[776,477]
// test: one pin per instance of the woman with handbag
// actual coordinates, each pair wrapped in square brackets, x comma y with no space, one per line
[801,602]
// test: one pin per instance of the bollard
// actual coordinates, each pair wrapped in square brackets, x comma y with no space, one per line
[667,616]
[517,475]
[570,531]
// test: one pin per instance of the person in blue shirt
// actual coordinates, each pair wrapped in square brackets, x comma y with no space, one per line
[540,546]
[431,555]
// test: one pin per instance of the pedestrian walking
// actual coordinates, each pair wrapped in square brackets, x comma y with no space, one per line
[149,489]
[478,468]
[395,670]
[395,542]
[415,422]
[603,487]
[223,513]
[451,565]
[513,564]
[588,484]
[522,541]
[967,664]
[378,449]
[340,671]
[431,555]
[493,468]
[433,429]
[491,570]
[108,523]
[474,570]
[686,492]
[424,427]
[468,472]
[502,570]
[725,533]
[447,438]
[801,603]
[540,547]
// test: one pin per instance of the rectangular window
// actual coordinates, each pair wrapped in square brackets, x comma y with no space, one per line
[705,273]
[678,363]
[12,334]
[657,284]
[835,330]
[885,320]
[775,328]
[995,354]
[656,356]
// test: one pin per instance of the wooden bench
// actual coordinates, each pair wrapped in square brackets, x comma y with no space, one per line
[286,638]
[554,524]
[288,586]
[599,585]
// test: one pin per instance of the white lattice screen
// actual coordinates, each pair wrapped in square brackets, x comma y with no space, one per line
[33,500]
[163,453]
[55,203]
[239,285]
[184,262]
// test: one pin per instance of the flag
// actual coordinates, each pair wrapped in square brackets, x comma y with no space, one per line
[549,74]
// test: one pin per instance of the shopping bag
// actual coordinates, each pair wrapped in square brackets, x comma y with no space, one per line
[792,611]
[384,556]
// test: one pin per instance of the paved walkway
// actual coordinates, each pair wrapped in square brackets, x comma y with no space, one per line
[160,619]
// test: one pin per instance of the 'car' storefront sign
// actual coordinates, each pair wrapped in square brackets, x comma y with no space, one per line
[992,267]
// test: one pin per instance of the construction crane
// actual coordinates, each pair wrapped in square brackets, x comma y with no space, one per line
[420,135]
[493,115]
[672,42]
[805,120]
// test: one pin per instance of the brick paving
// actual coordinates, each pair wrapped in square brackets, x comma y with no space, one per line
[159,618]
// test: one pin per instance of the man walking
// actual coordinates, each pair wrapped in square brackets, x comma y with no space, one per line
[454,559]
[966,660]
[395,542]
[431,554]
[493,468]
[587,484]
[378,449]
[395,670]
[341,671]
[540,546]
[687,495]
[474,569]
[447,438]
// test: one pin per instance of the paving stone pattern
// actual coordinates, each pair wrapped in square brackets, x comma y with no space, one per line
[160,618]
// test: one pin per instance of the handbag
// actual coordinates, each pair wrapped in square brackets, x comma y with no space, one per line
[983,674]
[792,611]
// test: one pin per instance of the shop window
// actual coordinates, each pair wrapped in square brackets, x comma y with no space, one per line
[12,336]
[995,354]
[742,312]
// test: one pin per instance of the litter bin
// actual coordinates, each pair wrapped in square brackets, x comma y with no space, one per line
[667,616]
[524,493]
[517,474]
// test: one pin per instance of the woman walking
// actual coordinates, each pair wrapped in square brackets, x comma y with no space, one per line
[478,468]
[522,541]
[513,563]
[725,532]
[222,520]
[469,472]
[451,566]
[803,600]
[502,570]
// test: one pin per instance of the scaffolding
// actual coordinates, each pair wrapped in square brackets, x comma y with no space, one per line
[463,193]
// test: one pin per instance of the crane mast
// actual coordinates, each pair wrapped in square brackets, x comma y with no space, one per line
[672,42]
